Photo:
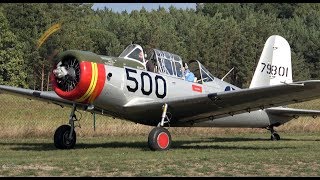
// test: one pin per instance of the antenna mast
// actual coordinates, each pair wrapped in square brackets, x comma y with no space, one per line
[227,74]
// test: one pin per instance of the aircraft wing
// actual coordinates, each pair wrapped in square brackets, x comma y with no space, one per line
[216,105]
[47,96]
[200,107]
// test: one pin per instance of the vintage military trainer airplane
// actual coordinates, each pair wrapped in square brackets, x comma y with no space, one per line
[153,91]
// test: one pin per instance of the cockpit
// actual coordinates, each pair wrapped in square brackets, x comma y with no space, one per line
[200,72]
[134,52]
[166,63]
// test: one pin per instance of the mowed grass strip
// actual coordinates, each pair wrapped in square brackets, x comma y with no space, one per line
[244,154]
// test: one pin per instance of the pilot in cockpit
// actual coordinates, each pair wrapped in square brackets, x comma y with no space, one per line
[141,56]
[150,63]
[137,54]
[189,76]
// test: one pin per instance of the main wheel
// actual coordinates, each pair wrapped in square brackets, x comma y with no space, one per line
[159,139]
[275,137]
[61,138]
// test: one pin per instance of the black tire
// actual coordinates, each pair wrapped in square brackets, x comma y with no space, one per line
[61,138]
[275,137]
[159,139]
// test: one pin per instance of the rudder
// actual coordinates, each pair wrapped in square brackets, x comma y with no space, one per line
[274,65]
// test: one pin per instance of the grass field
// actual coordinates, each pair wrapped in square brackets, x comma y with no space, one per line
[229,155]
[119,148]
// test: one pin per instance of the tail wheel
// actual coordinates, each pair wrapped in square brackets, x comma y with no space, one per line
[275,137]
[61,138]
[159,139]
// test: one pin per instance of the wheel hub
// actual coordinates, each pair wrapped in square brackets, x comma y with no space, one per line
[163,140]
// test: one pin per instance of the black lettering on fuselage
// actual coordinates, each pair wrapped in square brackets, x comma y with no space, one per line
[145,76]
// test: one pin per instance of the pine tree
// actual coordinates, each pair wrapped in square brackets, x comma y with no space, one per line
[11,62]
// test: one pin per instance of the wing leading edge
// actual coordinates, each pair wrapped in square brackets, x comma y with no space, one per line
[47,96]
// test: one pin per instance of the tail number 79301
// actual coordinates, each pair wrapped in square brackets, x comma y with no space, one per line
[274,70]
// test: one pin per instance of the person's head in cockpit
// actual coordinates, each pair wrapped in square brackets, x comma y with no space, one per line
[141,56]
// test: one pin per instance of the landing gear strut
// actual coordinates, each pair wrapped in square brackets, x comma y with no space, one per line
[159,138]
[274,135]
[65,137]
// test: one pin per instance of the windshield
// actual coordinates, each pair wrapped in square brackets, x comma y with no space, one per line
[200,72]
[133,52]
[127,50]
[205,74]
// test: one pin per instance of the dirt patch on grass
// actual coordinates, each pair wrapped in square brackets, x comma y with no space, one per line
[40,169]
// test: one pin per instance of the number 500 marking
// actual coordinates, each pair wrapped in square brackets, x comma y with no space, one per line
[144,91]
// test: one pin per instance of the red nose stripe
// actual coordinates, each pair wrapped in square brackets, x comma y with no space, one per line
[100,83]
[91,83]
[81,87]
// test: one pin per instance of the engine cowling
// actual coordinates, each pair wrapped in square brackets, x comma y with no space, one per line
[78,76]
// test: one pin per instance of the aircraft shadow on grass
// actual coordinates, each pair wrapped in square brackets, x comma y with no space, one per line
[179,144]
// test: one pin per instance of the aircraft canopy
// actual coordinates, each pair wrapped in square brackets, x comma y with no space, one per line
[166,63]
[163,62]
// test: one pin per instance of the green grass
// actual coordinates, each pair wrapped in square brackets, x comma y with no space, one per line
[119,148]
[228,155]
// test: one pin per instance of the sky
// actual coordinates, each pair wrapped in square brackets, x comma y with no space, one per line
[119,7]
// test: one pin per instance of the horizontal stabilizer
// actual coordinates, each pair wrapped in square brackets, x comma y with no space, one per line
[290,112]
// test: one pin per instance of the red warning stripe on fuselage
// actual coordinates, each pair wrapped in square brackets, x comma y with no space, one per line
[196,88]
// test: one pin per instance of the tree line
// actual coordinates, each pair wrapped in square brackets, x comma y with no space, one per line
[219,35]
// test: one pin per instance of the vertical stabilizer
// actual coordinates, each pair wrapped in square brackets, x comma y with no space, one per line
[274,66]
